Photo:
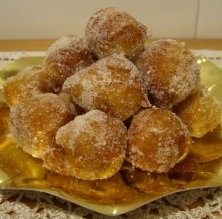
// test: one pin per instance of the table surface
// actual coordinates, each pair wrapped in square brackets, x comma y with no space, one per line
[43,44]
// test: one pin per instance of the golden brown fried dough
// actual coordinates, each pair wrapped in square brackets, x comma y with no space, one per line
[201,112]
[170,71]
[35,121]
[112,85]
[66,56]
[30,81]
[111,30]
[157,140]
[94,146]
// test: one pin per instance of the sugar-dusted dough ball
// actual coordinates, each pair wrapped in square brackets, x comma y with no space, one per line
[112,85]
[170,70]
[35,121]
[112,30]
[157,140]
[66,56]
[95,144]
[201,112]
[28,82]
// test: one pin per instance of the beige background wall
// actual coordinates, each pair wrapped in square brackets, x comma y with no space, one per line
[30,19]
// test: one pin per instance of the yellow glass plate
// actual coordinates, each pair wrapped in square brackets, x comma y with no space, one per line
[114,196]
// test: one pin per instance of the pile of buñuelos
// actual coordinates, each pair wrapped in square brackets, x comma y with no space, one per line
[105,101]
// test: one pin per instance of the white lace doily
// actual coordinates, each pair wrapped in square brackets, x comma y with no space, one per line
[200,203]
[193,204]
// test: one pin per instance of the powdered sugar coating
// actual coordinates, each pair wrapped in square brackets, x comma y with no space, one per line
[66,56]
[201,112]
[35,121]
[30,81]
[112,30]
[97,143]
[112,84]
[170,70]
[157,140]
